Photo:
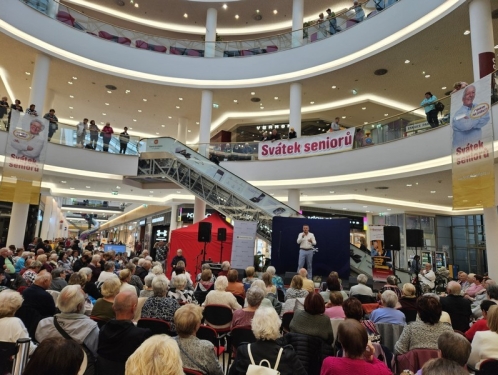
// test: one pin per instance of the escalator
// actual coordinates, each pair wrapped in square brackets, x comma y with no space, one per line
[361,262]
[227,193]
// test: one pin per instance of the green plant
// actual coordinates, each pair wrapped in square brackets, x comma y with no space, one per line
[218,38]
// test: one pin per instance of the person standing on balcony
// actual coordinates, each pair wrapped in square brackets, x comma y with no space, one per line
[124,138]
[4,106]
[53,120]
[94,134]
[292,133]
[333,27]
[32,111]
[430,109]
[335,125]
[106,134]
[81,129]
[359,12]
[274,136]
[15,106]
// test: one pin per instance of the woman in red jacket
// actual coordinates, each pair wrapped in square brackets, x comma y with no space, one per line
[106,134]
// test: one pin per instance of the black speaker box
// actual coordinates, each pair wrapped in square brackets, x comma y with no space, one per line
[414,238]
[392,238]
[204,234]
[222,234]
[288,277]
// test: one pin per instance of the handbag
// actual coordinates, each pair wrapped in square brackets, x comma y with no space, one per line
[101,134]
[255,369]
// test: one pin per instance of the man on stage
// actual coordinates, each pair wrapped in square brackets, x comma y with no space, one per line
[306,241]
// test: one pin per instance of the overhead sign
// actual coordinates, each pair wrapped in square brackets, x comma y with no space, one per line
[142,222]
[320,144]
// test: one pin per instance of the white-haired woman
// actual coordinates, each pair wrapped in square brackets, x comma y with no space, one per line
[275,279]
[225,267]
[90,288]
[242,318]
[219,296]
[148,292]
[266,328]
[12,328]
[179,292]
[158,355]
[388,313]
[159,306]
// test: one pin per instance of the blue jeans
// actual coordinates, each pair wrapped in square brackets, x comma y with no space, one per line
[306,255]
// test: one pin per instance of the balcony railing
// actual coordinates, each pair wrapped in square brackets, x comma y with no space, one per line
[312,32]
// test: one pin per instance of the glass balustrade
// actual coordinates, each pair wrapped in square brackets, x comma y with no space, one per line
[312,31]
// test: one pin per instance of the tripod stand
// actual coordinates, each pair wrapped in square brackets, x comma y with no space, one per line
[198,267]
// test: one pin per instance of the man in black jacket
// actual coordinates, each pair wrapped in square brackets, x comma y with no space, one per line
[81,262]
[457,307]
[143,269]
[119,338]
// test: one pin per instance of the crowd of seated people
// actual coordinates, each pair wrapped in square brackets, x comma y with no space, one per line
[324,336]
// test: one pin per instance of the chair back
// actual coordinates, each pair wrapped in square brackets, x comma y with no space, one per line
[335,326]
[7,352]
[286,319]
[157,326]
[138,311]
[218,315]
[55,295]
[363,298]
[207,333]
[189,371]
[240,300]
[100,321]
[415,359]
[369,307]
[281,295]
[389,334]
[410,315]
[238,335]
[488,367]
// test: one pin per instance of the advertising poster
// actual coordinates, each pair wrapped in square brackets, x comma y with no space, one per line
[472,146]
[381,259]
[220,175]
[24,159]
[320,144]
[244,237]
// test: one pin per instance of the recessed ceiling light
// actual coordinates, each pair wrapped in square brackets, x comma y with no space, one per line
[334,87]
[144,99]
[63,182]
[260,104]
[261,107]
[312,102]
[185,15]
[386,114]
[225,6]
[197,122]
[30,87]
[70,107]
[407,61]
[257,10]
[69,82]
[236,16]
[177,107]
[427,76]
[190,131]
[443,88]
[343,116]
[118,187]
[136,5]
[450,196]
[109,91]
[127,91]
[331,192]
[275,11]
[366,122]
[157,133]
[178,192]
[106,103]
[363,108]
[466,32]
[253,93]
[170,117]
[88,187]
[276,98]
[409,185]
[71,96]
[28,73]
[71,117]
[75,78]
[163,126]
[235,101]
[135,120]
[180,98]
[389,209]
[140,111]
[71,188]
[433,191]
[103,114]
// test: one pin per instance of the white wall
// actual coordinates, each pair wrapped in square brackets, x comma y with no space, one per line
[31,27]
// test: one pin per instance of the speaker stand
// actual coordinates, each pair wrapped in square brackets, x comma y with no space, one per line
[221,252]
[203,253]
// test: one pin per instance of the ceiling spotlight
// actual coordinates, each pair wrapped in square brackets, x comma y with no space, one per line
[225,6]
[109,91]
[466,32]
[363,108]
[354,91]
[134,120]
[236,16]
[257,10]
[276,98]
[71,96]
[157,133]
[235,101]
[180,98]
[427,76]
[71,117]
[331,192]
[163,126]
[190,131]
[433,191]
[443,88]
[106,103]
[389,209]
[140,111]
[366,122]
[63,182]
[144,99]
[71,188]
[136,5]
[126,92]
[253,93]
[118,187]
[75,78]
[170,117]
[185,15]
[409,185]
[103,114]
[177,107]
[312,102]
[275,11]
[70,107]
[261,107]
[407,61]
[28,73]
[334,87]
[130,128]
[450,196]
[197,122]
[88,187]
[343,116]
[386,114]
[69,82]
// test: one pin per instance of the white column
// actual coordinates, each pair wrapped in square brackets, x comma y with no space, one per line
[491,231]
[199,210]
[210,41]
[293,200]
[54,221]
[369,222]
[47,214]
[297,22]
[53,8]
[481,37]
[173,223]
[205,122]
[17,226]
[181,135]
[49,100]
[295,107]
[39,83]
